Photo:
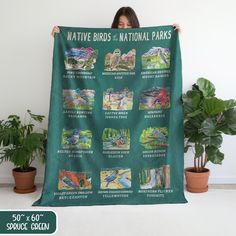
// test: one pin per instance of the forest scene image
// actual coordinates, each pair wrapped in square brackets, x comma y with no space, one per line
[154,137]
[154,98]
[116,139]
[156,58]
[78,99]
[120,62]
[80,58]
[76,138]
[117,100]
[155,177]
[69,180]
[115,178]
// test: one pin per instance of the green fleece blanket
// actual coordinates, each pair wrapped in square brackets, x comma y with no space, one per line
[115,132]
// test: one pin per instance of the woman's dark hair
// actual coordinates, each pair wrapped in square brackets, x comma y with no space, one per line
[129,13]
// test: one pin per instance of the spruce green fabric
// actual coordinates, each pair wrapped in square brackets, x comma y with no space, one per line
[115,133]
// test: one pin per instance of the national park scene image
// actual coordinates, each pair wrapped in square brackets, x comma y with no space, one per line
[116,139]
[115,178]
[156,58]
[79,99]
[155,178]
[116,61]
[76,138]
[80,58]
[154,98]
[70,180]
[117,100]
[154,137]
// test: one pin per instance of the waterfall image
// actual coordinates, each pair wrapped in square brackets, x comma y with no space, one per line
[155,177]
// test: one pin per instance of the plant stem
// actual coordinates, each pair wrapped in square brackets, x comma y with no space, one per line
[195,163]
[201,162]
[219,118]
[198,165]
[206,160]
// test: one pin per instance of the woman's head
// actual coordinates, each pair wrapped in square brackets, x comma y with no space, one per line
[125,18]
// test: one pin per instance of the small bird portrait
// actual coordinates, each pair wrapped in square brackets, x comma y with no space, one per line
[115,59]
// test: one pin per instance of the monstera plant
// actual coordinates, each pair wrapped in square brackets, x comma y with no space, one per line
[206,118]
[21,144]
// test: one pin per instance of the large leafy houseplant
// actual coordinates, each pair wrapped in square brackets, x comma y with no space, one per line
[19,143]
[206,118]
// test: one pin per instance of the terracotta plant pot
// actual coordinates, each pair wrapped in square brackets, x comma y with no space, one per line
[24,180]
[196,182]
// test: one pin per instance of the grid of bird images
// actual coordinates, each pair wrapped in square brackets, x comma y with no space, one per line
[113,99]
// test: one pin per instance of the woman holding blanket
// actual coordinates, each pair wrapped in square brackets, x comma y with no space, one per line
[125,18]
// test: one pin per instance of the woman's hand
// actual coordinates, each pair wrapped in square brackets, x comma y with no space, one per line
[177,28]
[55,30]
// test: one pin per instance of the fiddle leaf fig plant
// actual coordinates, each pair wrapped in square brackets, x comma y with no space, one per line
[19,143]
[206,118]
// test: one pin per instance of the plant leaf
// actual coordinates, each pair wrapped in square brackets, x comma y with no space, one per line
[231,103]
[190,128]
[19,157]
[187,104]
[213,106]
[186,148]
[33,141]
[214,155]
[195,113]
[194,98]
[9,136]
[38,118]
[206,87]
[229,122]
[215,141]
[208,128]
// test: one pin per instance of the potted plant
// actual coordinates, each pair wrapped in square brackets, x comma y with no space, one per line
[206,118]
[20,144]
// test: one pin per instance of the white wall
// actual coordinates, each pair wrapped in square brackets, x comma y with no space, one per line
[208,50]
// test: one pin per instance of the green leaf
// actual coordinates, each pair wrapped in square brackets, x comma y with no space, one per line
[187,110]
[213,106]
[33,141]
[215,141]
[194,98]
[214,155]
[208,128]
[9,136]
[229,122]
[196,138]
[190,128]
[187,104]
[19,157]
[193,138]
[206,87]
[38,118]
[186,148]
[231,103]
[195,113]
